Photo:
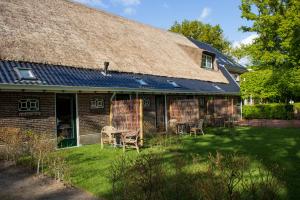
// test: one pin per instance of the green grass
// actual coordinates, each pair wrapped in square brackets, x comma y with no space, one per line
[264,146]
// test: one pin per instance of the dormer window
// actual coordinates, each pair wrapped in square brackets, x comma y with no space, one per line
[207,61]
[174,84]
[25,74]
[141,81]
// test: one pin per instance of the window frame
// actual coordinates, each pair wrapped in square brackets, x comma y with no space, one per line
[29,102]
[97,103]
[21,77]
[174,84]
[204,60]
[141,81]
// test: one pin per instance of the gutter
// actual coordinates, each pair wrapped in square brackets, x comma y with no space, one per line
[72,89]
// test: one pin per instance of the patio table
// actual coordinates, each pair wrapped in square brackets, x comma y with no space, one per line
[117,135]
[182,127]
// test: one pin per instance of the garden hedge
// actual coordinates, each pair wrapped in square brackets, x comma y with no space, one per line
[268,111]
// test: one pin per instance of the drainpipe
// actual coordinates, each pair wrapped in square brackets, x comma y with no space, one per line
[166,113]
[113,96]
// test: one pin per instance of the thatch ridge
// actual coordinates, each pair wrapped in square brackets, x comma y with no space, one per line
[68,33]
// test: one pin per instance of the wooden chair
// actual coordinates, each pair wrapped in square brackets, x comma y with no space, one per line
[197,128]
[172,128]
[131,139]
[232,121]
[107,136]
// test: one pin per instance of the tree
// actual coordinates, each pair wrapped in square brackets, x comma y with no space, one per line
[197,30]
[277,23]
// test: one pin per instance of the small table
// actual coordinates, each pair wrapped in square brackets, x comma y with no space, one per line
[116,134]
[181,127]
[219,121]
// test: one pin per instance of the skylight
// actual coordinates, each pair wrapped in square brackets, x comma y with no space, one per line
[141,81]
[174,84]
[217,87]
[25,74]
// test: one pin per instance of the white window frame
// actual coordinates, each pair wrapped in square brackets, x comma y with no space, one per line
[174,84]
[30,72]
[146,102]
[97,103]
[205,62]
[28,105]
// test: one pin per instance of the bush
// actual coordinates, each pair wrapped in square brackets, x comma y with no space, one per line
[13,142]
[227,177]
[296,110]
[268,111]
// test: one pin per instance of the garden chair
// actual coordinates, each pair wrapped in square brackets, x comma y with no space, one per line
[131,139]
[197,128]
[232,121]
[172,125]
[107,136]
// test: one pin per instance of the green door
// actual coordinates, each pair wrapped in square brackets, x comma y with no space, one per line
[66,120]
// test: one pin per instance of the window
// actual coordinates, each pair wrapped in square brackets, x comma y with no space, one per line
[217,87]
[97,103]
[141,81]
[29,105]
[25,73]
[173,83]
[147,102]
[207,61]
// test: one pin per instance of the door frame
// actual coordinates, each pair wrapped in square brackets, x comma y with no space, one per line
[75,118]
[164,112]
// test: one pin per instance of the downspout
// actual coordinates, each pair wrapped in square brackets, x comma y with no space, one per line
[166,113]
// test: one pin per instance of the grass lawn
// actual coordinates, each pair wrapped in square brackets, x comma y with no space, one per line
[89,164]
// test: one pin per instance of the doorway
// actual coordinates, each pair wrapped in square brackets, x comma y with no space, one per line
[66,120]
[160,113]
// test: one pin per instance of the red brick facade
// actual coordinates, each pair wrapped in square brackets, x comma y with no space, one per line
[42,121]
[92,120]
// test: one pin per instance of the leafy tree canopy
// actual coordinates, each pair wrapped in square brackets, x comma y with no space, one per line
[277,23]
[271,85]
[197,30]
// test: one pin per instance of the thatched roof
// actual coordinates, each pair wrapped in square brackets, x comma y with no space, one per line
[68,33]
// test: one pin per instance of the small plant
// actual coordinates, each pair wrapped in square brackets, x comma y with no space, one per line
[58,168]
[40,146]
[13,141]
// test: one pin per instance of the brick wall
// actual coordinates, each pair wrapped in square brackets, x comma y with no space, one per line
[42,121]
[91,121]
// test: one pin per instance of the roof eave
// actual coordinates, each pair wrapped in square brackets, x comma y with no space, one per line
[58,88]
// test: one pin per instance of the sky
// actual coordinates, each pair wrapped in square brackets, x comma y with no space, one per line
[163,13]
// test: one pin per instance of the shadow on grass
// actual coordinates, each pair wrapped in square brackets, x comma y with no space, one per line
[266,146]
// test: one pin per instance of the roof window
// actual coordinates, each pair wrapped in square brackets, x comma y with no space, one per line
[174,84]
[207,61]
[217,87]
[25,74]
[141,81]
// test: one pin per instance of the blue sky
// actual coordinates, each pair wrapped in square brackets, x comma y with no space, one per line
[163,13]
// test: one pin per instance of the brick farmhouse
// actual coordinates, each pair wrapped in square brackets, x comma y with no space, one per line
[69,70]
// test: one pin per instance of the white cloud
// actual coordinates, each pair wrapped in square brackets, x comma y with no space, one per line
[129,11]
[248,40]
[127,2]
[205,13]
[93,3]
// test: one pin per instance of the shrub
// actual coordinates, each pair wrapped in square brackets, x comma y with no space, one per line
[13,142]
[40,146]
[268,111]
[227,177]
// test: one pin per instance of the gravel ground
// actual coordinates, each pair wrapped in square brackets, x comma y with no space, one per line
[19,183]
